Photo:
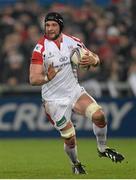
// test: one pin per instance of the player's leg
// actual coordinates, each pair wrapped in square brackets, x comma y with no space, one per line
[88,107]
[67,131]
[70,147]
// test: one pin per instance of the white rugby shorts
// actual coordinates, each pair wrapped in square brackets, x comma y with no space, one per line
[59,110]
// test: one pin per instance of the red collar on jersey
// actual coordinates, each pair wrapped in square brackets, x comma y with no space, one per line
[57,41]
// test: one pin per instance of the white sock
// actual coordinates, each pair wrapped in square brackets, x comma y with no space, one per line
[72,153]
[101,137]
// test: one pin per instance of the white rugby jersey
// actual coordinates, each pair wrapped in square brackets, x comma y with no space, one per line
[46,52]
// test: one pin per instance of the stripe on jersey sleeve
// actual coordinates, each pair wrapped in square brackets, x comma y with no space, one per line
[36,58]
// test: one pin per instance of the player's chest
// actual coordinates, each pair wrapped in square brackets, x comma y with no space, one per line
[55,55]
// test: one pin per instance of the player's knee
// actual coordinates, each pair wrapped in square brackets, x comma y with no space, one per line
[71,142]
[92,109]
[94,112]
[69,136]
[98,118]
[68,133]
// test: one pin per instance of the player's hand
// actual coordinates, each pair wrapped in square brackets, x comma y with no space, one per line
[89,59]
[52,72]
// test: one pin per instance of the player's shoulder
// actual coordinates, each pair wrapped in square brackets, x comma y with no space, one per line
[72,38]
[40,44]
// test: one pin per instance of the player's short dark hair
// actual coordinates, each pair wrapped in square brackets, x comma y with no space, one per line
[54,16]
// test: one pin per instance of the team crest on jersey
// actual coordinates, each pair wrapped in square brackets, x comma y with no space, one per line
[38,48]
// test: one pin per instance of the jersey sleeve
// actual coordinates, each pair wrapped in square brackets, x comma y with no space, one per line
[79,43]
[37,57]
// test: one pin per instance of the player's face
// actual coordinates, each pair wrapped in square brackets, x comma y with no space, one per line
[52,29]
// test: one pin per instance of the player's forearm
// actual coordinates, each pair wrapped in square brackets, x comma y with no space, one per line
[38,80]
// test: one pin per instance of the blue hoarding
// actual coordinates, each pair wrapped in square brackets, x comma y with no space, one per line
[25,117]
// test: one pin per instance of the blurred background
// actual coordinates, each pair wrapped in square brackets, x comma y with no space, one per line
[106,27]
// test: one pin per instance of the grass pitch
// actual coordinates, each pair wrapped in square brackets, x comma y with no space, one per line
[45,159]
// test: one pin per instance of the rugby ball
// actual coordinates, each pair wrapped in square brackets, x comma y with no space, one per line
[76,56]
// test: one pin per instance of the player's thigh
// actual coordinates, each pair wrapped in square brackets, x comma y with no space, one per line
[82,103]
